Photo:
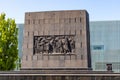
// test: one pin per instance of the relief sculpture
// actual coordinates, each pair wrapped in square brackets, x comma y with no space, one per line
[54,44]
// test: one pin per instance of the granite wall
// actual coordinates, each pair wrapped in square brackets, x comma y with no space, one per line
[49,24]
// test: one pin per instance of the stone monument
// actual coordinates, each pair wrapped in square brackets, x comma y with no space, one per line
[56,46]
[56,40]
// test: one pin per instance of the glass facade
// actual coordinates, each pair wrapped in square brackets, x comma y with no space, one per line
[20,38]
[105,45]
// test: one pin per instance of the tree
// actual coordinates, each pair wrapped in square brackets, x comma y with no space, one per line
[8,43]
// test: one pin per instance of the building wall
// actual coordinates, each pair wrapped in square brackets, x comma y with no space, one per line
[56,23]
[105,48]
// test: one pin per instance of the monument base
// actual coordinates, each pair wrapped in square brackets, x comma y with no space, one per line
[58,74]
[58,70]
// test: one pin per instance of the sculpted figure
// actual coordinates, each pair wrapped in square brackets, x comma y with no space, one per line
[60,46]
[54,44]
[66,45]
[72,44]
[50,48]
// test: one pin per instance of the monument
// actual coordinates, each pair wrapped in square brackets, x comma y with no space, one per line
[56,40]
[56,46]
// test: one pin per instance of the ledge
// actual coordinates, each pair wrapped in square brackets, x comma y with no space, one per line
[55,54]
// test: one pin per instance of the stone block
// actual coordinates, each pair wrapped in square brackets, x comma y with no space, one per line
[36,27]
[85,63]
[31,28]
[73,63]
[30,40]
[26,29]
[40,27]
[24,58]
[30,57]
[47,21]
[25,51]
[50,23]
[53,63]
[78,20]
[77,45]
[67,57]
[79,50]
[79,63]
[61,20]
[34,64]
[36,33]
[51,32]
[67,29]
[79,56]
[66,20]
[61,57]
[73,30]
[45,63]
[31,33]
[67,63]
[72,20]
[25,46]
[40,56]
[61,61]
[25,33]
[30,51]
[30,45]
[41,33]
[46,57]
[46,29]
[25,40]
[39,63]
[73,57]
[54,57]
[56,29]
[40,15]
[34,58]
[61,29]
[26,64]
[57,20]
[77,38]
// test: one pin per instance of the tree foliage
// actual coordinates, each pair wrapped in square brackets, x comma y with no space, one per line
[8,43]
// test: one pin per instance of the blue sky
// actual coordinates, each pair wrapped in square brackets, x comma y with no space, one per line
[98,9]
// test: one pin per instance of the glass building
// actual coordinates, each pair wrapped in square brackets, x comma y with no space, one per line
[105,45]
[20,38]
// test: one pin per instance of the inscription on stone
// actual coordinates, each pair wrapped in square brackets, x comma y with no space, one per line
[60,44]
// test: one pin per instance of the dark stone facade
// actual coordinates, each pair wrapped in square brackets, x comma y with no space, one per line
[56,39]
